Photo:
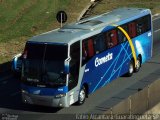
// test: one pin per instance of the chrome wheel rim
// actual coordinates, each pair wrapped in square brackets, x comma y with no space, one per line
[131,68]
[82,95]
[138,64]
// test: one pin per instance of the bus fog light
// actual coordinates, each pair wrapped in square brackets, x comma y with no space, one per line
[24,91]
[60,95]
[60,105]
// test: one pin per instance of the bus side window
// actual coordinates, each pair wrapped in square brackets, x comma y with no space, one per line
[121,36]
[99,43]
[114,37]
[111,38]
[84,51]
[143,25]
[140,26]
[74,65]
[90,48]
[87,50]
[132,29]
[148,22]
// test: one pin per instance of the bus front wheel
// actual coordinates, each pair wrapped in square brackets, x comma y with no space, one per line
[82,96]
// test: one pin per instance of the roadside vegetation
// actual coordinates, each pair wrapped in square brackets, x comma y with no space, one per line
[107,5]
[22,19]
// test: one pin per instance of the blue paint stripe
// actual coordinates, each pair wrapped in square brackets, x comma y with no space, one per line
[123,60]
[108,69]
[123,48]
[117,69]
[120,65]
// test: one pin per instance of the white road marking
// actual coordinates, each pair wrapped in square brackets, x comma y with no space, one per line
[157,30]
[156,14]
[156,18]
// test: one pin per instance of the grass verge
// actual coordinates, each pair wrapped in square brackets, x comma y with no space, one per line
[22,19]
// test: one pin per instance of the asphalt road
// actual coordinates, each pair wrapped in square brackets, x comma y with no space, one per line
[98,102]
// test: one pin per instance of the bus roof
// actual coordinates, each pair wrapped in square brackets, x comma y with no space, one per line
[87,27]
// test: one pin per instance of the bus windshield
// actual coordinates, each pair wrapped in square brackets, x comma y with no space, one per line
[43,64]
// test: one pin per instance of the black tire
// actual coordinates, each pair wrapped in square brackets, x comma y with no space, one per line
[82,96]
[138,65]
[130,69]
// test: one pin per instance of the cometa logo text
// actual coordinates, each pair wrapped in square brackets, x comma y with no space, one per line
[100,61]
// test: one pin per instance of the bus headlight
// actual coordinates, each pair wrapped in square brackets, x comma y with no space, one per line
[24,91]
[60,95]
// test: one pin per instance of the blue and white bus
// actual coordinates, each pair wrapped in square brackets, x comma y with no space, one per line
[64,66]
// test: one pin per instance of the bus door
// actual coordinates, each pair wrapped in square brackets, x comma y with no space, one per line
[74,72]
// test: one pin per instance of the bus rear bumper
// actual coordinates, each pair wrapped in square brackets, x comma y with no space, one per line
[50,101]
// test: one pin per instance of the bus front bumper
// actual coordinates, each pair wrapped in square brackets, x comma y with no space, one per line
[51,101]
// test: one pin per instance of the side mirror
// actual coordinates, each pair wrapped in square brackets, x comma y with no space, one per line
[66,65]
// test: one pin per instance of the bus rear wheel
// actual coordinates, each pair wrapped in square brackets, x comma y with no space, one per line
[82,96]
[131,69]
[138,65]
